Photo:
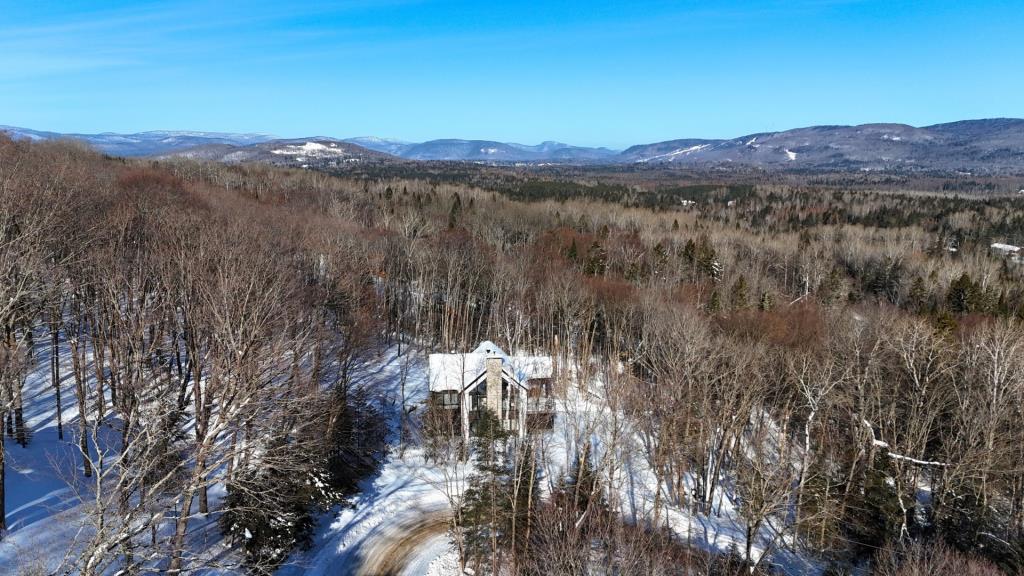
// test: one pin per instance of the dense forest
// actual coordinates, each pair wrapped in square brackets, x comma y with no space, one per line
[845,362]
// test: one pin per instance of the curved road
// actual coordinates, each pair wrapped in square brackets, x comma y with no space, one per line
[391,552]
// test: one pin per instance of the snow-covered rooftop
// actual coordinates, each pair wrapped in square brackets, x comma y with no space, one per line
[1005,247]
[453,372]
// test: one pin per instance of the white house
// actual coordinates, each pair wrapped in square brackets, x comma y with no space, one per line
[517,389]
[1005,249]
[1012,253]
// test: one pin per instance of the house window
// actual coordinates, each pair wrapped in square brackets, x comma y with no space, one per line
[539,387]
[450,399]
[446,399]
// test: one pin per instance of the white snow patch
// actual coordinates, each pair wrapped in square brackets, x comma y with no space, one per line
[790,154]
[676,153]
[440,558]
[312,149]
[407,489]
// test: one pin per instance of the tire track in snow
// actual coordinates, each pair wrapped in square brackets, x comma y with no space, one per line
[388,553]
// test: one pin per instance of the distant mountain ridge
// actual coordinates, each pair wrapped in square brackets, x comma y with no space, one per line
[143,143]
[485,150]
[994,145]
[976,146]
[319,152]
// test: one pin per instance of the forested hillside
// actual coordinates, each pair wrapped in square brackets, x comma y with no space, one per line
[838,371]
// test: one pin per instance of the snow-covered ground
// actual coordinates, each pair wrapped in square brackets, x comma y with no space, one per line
[45,485]
[400,517]
[393,504]
[47,494]
[42,515]
[586,416]
[397,517]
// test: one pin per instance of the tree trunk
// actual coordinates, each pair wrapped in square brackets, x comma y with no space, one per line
[200,414]
[19,412]
[749,546]
[204,500]
[55,375]
[3,485]
[83,413]
[178,541]
[98,364]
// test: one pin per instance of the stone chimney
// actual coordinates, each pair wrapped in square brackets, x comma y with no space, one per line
[493,366]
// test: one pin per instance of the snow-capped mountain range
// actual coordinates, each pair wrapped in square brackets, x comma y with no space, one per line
[995,145]
[983,146]
[143,143]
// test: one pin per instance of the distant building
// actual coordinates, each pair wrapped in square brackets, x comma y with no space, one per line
[1008,251]
[1005,249]
[517,389]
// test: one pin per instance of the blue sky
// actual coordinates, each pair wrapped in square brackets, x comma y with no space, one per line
[591,73]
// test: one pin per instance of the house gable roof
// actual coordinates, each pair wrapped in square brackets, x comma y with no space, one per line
[483,376]
[456,372]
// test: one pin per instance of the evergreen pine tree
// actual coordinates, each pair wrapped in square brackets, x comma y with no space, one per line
[573,253]
[1002,306]
[485,504]
[690,252]
[455,212]
[738,298]
[715,303]
[874,520]
[660,264]
[918,295]
[945,322]
[597,261]
[962,297]
[270,512]
[828,290]
[706,258]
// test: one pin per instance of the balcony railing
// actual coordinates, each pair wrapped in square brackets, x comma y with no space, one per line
[534,405]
